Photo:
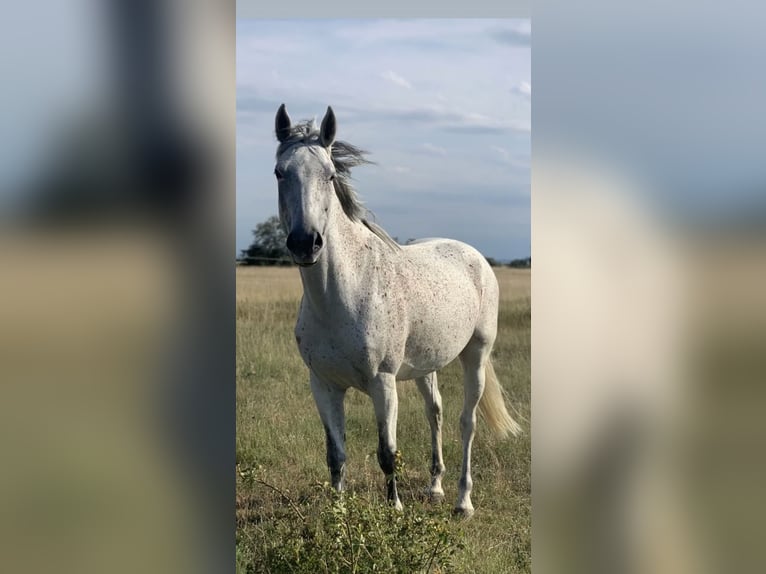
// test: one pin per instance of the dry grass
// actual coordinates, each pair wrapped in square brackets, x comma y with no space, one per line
[280,438]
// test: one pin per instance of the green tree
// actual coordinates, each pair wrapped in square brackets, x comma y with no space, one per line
[268,246]
[521,263]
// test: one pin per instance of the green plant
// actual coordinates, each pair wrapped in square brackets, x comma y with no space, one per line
[351,534]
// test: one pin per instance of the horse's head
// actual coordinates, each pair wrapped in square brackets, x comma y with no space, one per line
[305,174]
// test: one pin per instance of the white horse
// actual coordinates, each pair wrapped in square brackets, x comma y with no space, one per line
[374,312]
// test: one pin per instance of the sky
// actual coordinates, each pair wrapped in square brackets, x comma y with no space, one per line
[443,107]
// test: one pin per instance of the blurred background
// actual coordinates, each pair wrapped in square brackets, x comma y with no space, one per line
[648,298]
[117,316]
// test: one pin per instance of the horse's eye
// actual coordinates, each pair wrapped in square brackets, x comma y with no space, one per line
[332,177]
[278,174]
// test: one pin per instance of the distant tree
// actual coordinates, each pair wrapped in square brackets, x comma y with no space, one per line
[521,263]
[492,261]
[268,246]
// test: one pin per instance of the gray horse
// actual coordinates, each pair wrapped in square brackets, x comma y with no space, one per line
[374,312]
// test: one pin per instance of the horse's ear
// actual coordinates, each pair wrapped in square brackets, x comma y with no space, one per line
[327,131]
[282,124]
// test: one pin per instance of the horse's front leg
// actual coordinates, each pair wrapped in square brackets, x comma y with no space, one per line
[329,401]
[383,393]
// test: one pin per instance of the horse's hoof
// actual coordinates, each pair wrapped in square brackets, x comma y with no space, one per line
[435,497]
[464,513]
[398,505]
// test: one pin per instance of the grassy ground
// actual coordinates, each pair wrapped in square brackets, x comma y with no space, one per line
[280,441]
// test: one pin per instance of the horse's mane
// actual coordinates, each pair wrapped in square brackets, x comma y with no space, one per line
[344,156]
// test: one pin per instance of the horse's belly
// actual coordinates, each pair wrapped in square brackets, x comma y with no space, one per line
[425,353]
[439,333]
[407,372]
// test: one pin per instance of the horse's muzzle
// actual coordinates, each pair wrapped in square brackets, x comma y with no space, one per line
[305,247]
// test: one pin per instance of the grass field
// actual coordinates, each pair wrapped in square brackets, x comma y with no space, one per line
[281,446]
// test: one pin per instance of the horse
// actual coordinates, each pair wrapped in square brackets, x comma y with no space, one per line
[374,312]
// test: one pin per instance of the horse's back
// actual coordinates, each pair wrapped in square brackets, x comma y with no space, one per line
[451,261]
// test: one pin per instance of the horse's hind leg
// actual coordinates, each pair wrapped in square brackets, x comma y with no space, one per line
[329,401]
[429,388]
[473,359]
[384,399]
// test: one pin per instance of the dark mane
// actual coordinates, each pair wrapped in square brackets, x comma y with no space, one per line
[344,156]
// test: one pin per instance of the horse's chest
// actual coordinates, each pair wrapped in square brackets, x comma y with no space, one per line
[347,353]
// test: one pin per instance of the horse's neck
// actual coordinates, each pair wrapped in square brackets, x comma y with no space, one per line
[336,278]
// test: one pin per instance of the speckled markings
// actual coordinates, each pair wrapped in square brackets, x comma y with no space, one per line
[374,312]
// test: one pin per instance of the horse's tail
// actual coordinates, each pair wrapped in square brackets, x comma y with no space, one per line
[492,405]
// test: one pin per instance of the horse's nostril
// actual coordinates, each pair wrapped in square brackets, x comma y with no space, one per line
[304,244]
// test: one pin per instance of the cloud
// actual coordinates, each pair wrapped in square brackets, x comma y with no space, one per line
[439,117]
[490,126]
[504,154]
[434,149]
[512,37]
[414,33]
[395,78]
[507,158]
[390,85]
[523,88]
